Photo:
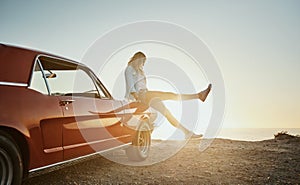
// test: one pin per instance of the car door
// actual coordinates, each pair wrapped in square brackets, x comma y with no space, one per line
[87,125]
[46,112]
[87,130]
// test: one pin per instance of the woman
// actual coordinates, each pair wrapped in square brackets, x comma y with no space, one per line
[136,89]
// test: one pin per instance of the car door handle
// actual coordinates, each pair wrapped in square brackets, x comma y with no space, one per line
[65,102]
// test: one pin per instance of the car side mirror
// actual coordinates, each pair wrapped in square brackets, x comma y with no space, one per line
[51,75]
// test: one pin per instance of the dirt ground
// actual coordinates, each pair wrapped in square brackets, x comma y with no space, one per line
[223,162]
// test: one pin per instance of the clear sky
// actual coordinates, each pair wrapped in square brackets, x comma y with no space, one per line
[256,44]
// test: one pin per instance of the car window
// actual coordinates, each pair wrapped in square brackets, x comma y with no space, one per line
[37,80]
[56,77]
[71,83]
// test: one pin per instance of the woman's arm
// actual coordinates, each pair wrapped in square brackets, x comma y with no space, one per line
[131,78]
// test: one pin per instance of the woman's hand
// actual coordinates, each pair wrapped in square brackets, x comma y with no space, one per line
[134,94]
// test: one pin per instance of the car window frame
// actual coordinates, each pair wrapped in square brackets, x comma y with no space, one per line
[37,62]
[98,84]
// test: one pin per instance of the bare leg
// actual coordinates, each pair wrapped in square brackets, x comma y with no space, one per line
[158,105]
[154,99]
[141,108]
[172,96]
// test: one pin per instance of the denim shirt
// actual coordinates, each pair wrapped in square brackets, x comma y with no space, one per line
[135,82]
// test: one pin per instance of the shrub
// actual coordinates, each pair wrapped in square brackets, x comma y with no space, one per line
[283,135]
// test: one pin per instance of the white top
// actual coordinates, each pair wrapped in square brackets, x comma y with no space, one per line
[135,82]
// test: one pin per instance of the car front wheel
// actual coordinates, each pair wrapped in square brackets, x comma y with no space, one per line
[11,166]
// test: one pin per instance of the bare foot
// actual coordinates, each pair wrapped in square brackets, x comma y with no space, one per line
[203,94]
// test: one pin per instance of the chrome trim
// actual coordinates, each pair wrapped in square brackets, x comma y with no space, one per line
[93,142]
[100,85]
[85,156]
[37,62]
[60,58]
[58,149]
[51,150]
[44,76]
[14,84]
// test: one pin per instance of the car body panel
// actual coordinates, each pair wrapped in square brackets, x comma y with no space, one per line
[87,127]
[28,120]
[16,64]
[58,128]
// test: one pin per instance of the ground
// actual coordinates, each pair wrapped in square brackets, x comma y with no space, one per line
[223,162]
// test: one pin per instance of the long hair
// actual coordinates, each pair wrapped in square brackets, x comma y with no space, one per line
[135,62]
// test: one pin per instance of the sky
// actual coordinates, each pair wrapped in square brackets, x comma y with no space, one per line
[256,44]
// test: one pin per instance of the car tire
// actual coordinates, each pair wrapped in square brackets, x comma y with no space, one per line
[140,147]
[11,164]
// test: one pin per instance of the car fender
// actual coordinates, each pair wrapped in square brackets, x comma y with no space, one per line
[16,126]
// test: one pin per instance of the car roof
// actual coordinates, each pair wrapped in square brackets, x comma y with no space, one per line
[16,63]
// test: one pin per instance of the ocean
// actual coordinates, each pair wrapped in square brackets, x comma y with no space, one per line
[254,134]
[244,134]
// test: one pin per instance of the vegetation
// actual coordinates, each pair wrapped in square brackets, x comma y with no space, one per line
[284,135]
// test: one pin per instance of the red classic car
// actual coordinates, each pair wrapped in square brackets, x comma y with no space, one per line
[53,110]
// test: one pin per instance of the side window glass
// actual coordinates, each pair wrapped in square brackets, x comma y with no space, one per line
[83,83]
[38,81]
[71,82]
[62,78]
[97,87]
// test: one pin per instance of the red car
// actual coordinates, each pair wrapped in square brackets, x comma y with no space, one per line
[53,110]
